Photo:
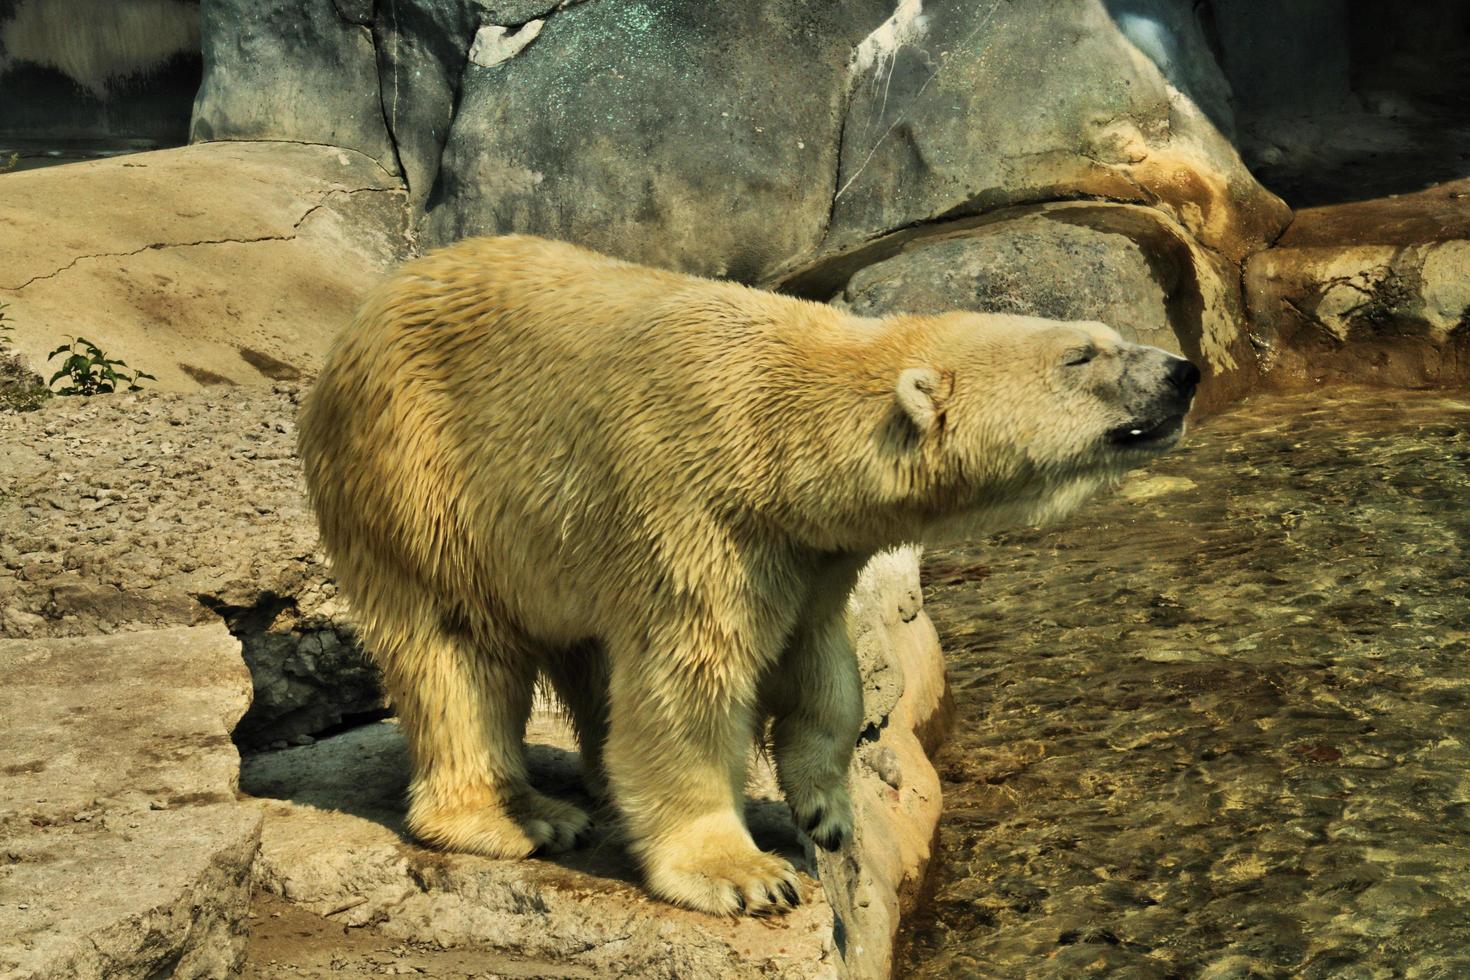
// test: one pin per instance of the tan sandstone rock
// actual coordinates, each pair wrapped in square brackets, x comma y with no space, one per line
[221,263]
[123,851]
[1375,291]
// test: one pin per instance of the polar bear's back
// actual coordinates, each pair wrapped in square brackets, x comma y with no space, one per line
[520,408]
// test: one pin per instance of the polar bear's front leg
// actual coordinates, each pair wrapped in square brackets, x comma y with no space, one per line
[683,722]
[816,696]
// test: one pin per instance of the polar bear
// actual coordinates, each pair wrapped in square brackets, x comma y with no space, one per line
[656,491]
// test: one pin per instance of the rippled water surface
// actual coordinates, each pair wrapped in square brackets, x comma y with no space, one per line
[1219,724]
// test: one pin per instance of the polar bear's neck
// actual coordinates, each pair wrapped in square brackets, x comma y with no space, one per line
[846,469]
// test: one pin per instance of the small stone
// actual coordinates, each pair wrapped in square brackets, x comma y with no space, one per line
[885,763]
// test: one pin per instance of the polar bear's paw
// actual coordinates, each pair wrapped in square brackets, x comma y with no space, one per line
[558,825]
[746,881]
[531,823]
[824,813]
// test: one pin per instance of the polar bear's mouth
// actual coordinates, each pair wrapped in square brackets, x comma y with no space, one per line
[1146,434]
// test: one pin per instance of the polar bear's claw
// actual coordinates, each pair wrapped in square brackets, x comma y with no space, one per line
[829,839]
[793,898]
[826,816]
[558,826]
[753,883]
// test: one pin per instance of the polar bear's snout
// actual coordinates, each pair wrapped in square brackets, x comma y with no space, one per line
[1159,389]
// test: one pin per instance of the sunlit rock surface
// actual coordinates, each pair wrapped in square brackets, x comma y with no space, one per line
[149,510]
[206,266]
[123,850]
[1373,291]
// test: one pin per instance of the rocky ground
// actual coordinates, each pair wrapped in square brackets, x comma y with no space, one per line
[1208,729]
[123,849]
[289,943]
[1214,727]
[137,511]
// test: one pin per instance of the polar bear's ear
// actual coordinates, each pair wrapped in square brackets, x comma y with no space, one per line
[921,394]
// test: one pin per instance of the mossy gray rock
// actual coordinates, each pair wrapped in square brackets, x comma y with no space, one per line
[684,135]
[676,134]
[967,107]
[304,71]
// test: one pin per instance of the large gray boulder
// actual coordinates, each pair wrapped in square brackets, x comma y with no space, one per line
[672,134]
[839,127]
[960,108]
[128,513]
[302,70]
[1032,264]
[125,851]
[421,47]
[665,133]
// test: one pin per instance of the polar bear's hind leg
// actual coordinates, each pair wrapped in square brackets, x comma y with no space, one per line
[463,694]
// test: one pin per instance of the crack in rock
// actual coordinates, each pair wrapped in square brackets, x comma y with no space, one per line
[159,246]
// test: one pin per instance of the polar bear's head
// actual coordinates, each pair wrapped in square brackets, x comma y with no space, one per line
[1018,420]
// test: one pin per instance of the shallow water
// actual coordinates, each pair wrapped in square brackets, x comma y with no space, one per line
[1219,724]
[32,154]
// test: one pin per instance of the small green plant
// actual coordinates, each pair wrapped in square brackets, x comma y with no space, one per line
[90,371]
[8,163]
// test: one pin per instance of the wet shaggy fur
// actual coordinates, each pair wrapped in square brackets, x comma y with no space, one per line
[656,491]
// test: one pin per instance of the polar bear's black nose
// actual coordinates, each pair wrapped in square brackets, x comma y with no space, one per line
[1184,376]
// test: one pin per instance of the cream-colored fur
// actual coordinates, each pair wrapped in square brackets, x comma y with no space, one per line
[657,491]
